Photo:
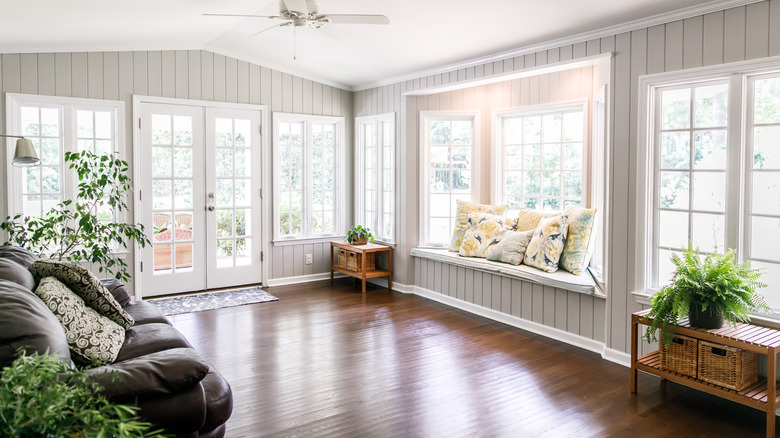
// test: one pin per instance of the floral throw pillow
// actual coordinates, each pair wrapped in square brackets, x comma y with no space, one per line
[482,235]
[529,219]
[511,248]
[461,219]
[86,285]
[91,337]
[544,250]
[580,239]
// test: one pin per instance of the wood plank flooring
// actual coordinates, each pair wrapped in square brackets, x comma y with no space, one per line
[326,360]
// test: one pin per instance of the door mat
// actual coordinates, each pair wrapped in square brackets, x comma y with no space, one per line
[212,300]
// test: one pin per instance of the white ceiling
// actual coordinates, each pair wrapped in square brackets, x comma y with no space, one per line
[422,34]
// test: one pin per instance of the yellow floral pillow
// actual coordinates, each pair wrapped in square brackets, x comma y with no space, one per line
[485,232]
[580,240]
[529,219]
[461,219]
[544,251]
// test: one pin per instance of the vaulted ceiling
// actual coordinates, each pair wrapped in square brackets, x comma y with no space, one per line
[422,34]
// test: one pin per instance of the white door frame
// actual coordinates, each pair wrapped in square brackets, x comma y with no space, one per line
[265,166]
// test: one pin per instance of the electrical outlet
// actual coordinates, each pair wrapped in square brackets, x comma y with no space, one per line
[308,259]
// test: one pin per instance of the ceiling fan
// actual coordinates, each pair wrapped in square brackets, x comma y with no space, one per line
[306,13]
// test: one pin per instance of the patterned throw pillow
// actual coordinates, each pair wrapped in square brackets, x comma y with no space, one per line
[529,219]
[86,285]
[461,219]
[482,234]
[580,239]
[547,243]
[91,336]
[511,248]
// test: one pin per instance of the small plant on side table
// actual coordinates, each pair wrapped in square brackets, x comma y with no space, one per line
[708,290]
[359,235]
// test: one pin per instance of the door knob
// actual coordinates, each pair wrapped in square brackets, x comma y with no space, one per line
[211,208]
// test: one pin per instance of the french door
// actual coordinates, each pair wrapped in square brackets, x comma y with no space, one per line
[199,197]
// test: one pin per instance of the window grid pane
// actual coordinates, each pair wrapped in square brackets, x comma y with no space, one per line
[42,186]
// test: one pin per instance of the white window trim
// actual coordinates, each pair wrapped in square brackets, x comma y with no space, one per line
[425,118]
[360,176]
[14,101]
[340,178]
[644,232]
[497,149]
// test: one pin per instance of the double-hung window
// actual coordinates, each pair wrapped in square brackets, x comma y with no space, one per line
[449,171]
[375,175]
[713,163]
[57,125]
[540,160]
[309,176]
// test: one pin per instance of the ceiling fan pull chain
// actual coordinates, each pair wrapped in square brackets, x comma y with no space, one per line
[295,46]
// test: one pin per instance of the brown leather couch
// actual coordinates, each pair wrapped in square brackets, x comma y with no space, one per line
[157,369]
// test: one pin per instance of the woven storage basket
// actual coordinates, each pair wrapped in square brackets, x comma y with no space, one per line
[681,356]
[342,258]
[355,260]
[726,366]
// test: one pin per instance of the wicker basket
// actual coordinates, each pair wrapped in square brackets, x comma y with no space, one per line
[680,356]
[341,261]
[726,366]
[355,260]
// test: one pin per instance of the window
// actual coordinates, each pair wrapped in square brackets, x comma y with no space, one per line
[57,125]
[449,171]
[710,141]
[309,169]
[375,175]
[541,157]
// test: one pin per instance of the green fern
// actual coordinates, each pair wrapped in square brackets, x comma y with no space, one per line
[715,280]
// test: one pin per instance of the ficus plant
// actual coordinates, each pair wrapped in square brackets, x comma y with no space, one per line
[84,229]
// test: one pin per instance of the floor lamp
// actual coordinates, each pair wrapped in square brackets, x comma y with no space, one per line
[24,154]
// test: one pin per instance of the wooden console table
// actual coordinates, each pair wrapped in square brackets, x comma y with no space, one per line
[762,340]
[362,272]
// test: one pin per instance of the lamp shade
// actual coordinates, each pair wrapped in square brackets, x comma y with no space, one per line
[25,155]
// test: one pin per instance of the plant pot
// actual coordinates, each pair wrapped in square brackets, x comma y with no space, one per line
[712,318]
[362,241]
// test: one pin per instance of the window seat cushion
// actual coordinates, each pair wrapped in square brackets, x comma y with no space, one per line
[561,279]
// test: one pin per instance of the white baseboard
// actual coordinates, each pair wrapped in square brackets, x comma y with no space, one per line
[550,332]
[302,279]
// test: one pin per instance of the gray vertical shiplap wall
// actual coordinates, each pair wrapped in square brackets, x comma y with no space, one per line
[184,74]
[735,34]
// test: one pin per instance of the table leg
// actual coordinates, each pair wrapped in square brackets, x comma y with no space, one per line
[771,392]
[634,333]
[331,263]
[363,269]
[390,269]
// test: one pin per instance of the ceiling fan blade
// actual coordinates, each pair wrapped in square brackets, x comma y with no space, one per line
[296,6]
[243,16]
[337,33]
[357,19]
[269,28]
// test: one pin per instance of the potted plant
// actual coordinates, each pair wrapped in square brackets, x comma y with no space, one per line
[708,290]
[359,235]
[86,229]
[42,396]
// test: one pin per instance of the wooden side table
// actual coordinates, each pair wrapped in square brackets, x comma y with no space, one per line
[362,272]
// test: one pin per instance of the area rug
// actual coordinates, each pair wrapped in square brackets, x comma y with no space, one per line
[212,300]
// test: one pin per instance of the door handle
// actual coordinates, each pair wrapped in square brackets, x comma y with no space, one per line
[211,208]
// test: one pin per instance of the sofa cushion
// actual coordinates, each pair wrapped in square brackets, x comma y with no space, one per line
[92,337]
[86,285]
[144,312]
[164,372]
[544,251]
[26,323]
[118,290]
[12,271]
[219,399]
[511,247]
[17,254]
[144,339]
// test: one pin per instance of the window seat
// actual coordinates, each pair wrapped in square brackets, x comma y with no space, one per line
[561,279]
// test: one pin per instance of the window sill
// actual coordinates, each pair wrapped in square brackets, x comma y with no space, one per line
[306,241]
[561,279]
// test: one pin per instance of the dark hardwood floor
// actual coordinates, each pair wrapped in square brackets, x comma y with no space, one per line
[326,360]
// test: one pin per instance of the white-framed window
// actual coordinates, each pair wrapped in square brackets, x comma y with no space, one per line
[710,169]
[309,175]
[57,125]
[449,170]
[375,172]
[540,157]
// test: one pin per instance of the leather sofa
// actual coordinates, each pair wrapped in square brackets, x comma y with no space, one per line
[156,369]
